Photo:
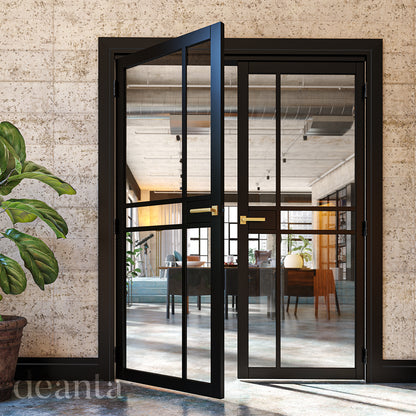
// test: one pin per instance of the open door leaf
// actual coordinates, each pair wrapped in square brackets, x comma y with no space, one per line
[37,256]
[27,210]
[12,277]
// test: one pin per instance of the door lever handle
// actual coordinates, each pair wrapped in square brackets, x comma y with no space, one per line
[244,219]
[213,210]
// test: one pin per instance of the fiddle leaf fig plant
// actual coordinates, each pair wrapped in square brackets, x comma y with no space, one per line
[37,257]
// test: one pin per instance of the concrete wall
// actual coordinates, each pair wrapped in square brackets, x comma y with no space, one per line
[48,84]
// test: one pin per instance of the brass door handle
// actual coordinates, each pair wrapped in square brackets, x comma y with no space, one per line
[213,210]
[244,219]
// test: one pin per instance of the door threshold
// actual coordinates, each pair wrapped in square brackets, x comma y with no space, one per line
[301,381]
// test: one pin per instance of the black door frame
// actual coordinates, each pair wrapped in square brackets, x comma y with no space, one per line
[272,218]
[378,370]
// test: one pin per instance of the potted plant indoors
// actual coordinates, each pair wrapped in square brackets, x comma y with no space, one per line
[132,270]
[299,254]
[37,257]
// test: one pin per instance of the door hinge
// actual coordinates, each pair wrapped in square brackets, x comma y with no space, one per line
[365,91]
[364,228]
[364,355]
[116,225]
[115,88]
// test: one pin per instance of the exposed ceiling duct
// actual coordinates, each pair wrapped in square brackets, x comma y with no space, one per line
[324,103]
[328,125]
[296,103]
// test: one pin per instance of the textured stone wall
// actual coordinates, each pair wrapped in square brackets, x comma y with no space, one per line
[48,84]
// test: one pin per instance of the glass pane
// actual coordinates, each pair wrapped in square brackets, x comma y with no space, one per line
[226,226]
[318,315]
[262,139]
[152,272]
[204,247]
[317,139]
[154,215]
[193,248]
[234,214]
[154,129]
[199,119]
[252,246]
[193,233]
[199,313]
[233,230]
[233,248]
[261,301]
[230,129]
[317,220]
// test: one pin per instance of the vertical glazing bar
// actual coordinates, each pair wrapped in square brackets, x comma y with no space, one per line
[217,189]
[121,218]
[279,276]
[184,213]
[242,300]
[360,266]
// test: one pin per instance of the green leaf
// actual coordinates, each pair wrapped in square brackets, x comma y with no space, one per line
[37,256]
[33,171]
[13,161]
[13,136]
[27,210]
[12,276]
[4,158]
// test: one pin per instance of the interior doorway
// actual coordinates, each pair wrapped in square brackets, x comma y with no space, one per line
[282,114]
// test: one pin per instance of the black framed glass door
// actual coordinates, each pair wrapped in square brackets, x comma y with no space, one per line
[301,209]
[170,331]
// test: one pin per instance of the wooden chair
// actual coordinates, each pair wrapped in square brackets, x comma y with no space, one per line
[299,283]
[262,256]
[324,285]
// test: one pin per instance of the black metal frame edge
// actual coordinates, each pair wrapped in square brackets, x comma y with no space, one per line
[152,379]
[360,202]
[242,120]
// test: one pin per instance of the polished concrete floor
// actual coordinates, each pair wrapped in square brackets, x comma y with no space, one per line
[242,398]
[247,399]
[154,342]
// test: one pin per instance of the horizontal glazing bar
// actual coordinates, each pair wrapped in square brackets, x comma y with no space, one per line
[157,228]
[331,232]
[308,208]
[153,203]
